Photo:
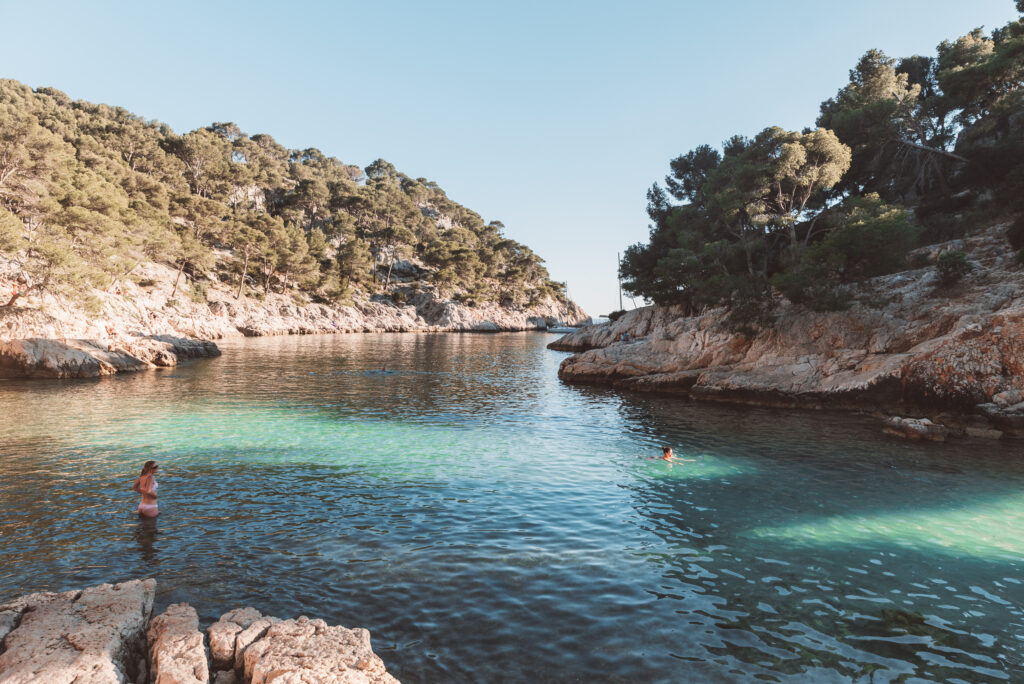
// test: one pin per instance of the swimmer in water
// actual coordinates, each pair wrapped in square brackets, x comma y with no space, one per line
[667,455]
[145,484]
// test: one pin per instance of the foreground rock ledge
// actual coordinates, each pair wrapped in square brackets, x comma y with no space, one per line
[104,635]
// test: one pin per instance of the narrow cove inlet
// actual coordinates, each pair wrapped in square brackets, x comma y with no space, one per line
[487,522]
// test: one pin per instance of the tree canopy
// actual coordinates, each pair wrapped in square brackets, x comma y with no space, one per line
[88,192]
[900,147]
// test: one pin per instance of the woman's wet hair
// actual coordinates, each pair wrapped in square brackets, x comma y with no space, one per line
[148,467]
[666,449]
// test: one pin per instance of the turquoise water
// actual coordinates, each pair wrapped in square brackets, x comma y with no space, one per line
[487,523]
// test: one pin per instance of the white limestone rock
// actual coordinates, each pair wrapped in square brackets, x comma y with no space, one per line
[303,650]
[224,632]
[95,636]
[177,654]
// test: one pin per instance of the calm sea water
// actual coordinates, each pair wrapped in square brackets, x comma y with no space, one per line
[487,523]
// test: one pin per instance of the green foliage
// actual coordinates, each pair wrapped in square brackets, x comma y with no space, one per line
[866,238]
[863,238]
[616,315]
[198,292]
[88,192]
[952,267]
[744,214]
[814,212]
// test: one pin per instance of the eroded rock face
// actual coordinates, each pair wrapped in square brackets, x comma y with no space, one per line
[95,636]
[146,327]
[907,345]
[304,650]
[177,654]
[157,309]
[42,358]
[224,632]
[249,636]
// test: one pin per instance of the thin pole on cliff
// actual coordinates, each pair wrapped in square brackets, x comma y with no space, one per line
[618,275]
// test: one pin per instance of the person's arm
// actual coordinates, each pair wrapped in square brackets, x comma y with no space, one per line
[135,485]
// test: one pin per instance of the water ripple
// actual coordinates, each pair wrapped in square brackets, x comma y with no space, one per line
[486,522]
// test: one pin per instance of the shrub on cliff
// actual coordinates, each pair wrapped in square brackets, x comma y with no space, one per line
[864,238]
[952,267]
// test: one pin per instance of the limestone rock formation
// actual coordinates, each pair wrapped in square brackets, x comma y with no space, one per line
[224,632]
[95,636]
[43,358]
[305,650]
[141,311]
[144,327]
[249,636]
[908,345]
[258,648]
[104,635]
[177,654]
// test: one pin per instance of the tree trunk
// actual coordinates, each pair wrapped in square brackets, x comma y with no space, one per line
[21,291]
[391,265]
[177,278]
[245,269]
[933,150]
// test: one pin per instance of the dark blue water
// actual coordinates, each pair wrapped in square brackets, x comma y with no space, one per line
[487,523]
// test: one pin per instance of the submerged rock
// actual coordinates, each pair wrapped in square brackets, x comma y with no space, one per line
[95,636]
[915,428]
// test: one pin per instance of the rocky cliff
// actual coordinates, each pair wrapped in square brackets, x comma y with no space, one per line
[145,323]
[908,344]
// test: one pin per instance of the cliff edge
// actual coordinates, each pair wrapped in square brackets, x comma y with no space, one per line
[908,344]
[147,323]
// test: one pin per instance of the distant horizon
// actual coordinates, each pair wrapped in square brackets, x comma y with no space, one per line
[553,120]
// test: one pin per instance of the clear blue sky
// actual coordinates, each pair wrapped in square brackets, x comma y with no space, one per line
[553,117]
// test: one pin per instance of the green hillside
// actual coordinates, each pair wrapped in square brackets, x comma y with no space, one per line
[88,192]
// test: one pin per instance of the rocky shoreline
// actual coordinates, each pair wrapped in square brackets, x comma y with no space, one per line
[937,360]
[107,635]
[146,323]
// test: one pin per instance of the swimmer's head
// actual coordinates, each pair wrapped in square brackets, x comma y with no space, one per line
[666,452]
[149,467]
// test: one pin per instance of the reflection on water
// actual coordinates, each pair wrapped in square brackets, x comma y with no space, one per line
[145,537]
[486,522]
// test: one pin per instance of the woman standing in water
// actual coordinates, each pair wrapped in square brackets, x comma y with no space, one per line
[145,484]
